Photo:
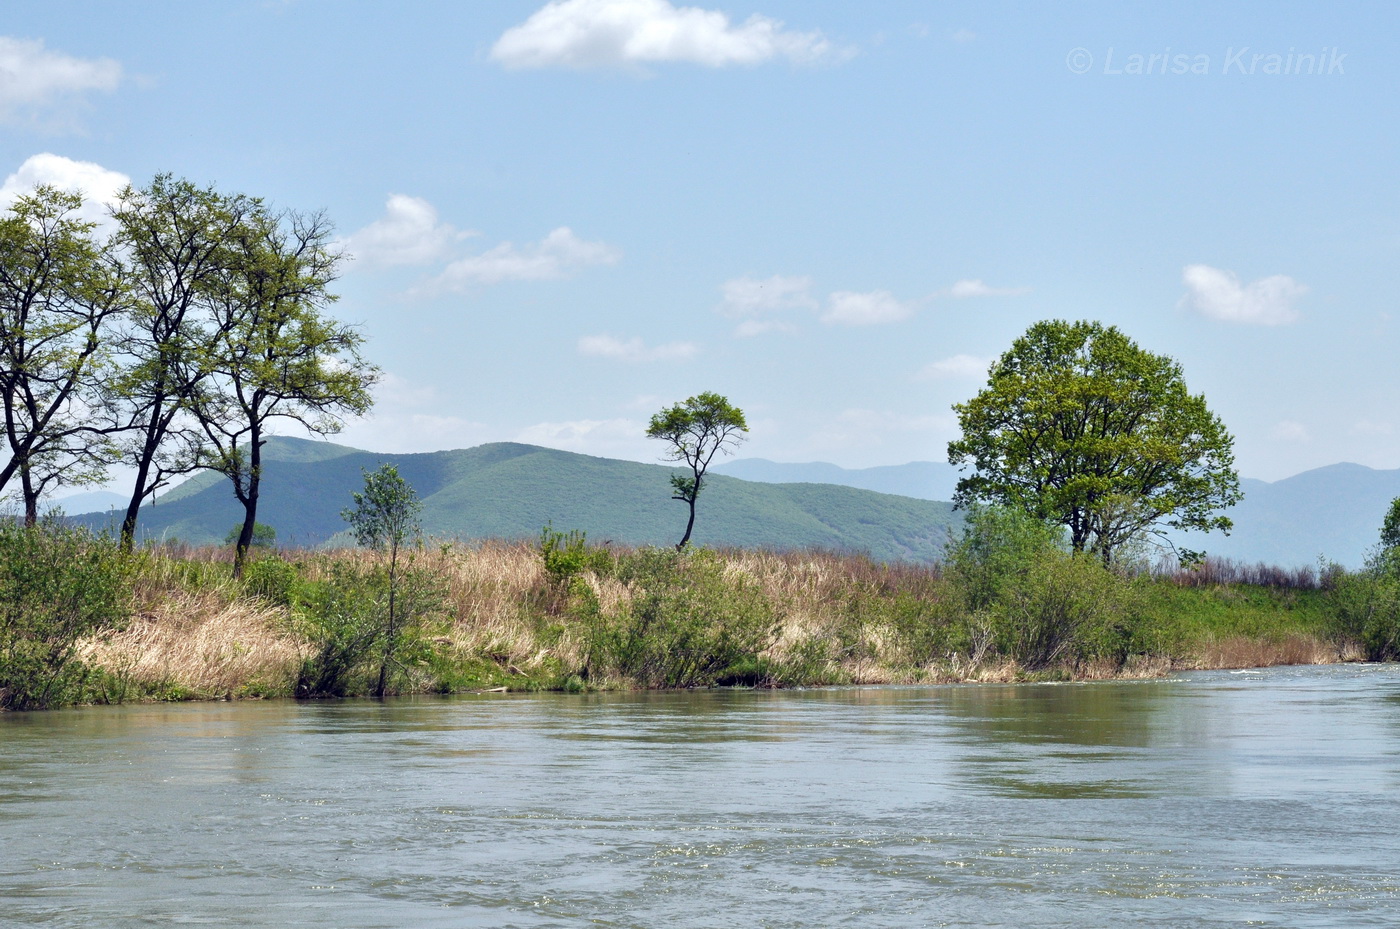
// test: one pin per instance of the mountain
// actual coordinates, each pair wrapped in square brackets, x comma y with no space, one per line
[509,490]
[1333,512]
[90,502]
[925,480]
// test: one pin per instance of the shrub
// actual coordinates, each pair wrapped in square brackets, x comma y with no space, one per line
[684,624]
[58,585]
[1065,608]
[272,579]
[1366,606]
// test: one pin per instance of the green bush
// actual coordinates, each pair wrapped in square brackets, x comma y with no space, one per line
[272,579]
[685,625]
[1366,606]
[566,555]
[346,619]
[1065,608]
[58,585]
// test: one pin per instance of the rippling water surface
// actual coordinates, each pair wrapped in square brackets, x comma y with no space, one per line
[1264,798]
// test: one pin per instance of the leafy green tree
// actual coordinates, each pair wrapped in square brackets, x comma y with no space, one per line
[385,518]
[275,353]
[1081,427]
[175,241]
[1390,529]
[694,431]
[264,536]
[59,298]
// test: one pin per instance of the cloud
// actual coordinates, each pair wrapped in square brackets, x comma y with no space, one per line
[621,33]
[975,288]
[847,308]
[958,366]
[963,36]
[556,255]
[612,438]
[33,79]
[1289,431]
[98,185]
[634,350]
[397,424]
[747,296]
[409,233]
[1218,295]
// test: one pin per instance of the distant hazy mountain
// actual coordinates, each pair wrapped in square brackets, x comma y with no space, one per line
[1333,512]
[508,490]
[90,501]
[926,480]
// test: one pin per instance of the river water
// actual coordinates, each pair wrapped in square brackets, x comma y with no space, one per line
[1213,799]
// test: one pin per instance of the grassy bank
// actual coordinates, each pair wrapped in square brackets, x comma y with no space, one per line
[498,618]
[174,623]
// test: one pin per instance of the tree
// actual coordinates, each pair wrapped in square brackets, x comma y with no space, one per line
[59,297]
[174,238]
[1081,427]
[694,431]
[264,536]
[1390,529]
[274,353]
[385,517]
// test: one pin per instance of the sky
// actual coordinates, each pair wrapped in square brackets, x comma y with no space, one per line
[559,218]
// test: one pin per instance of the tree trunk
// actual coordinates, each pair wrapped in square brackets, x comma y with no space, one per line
[249,499]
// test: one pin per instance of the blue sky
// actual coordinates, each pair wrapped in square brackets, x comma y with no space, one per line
[566,216]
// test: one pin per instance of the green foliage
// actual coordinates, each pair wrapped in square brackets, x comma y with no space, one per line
[385,514]
[1067,607]
[694,432]
[264,536]
[997,545]
[357,649]
[1081,427]
[1390,528]
[685,624]
[58,586]
[272,579]
[566,555]
[1366,606]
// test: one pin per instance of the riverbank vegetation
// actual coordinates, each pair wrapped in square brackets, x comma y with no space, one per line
[1009,602]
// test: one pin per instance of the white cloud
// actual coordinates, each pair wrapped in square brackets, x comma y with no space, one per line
[33,78]
[747,296]
[397,423]
[848,308]
[98,185]
[634,349]
[555,256]
[1219,295]
[974,287]
[610,438]
[1370,427]
[958,366]
[613,33]
[963,36]
[1289,431]
[409,233]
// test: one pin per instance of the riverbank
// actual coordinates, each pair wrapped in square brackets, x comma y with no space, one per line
[502,615]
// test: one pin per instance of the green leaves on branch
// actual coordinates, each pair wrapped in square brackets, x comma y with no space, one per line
[1081,427]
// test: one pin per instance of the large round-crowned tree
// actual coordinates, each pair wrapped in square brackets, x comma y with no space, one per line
[1080,426]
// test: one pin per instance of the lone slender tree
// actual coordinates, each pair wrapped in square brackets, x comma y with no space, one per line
[385,518]
[694,431]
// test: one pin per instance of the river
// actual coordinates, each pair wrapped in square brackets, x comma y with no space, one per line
[1211,799]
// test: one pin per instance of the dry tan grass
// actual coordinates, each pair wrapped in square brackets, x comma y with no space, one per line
[203,644]
[1242,652]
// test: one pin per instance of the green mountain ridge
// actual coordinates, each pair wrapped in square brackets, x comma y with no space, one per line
[510,490]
